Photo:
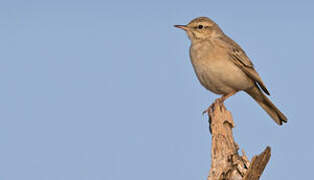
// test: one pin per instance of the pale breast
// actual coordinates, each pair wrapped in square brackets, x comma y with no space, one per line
[215,71]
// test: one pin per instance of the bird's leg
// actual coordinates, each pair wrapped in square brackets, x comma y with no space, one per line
[220,101]
[225,96]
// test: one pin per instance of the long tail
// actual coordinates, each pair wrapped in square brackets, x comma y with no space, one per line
[267,105]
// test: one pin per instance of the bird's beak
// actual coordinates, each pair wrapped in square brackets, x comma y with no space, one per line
[184,27]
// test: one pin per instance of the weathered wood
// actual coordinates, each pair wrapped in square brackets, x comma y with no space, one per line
[258,165]
[226,163]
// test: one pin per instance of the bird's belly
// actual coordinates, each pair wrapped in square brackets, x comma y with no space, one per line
[221,76]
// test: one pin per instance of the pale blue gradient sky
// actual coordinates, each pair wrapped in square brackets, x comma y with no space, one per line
[104,90]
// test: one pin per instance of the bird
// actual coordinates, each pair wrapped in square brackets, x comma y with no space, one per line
[223,67]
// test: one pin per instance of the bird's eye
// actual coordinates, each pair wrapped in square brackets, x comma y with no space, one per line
[200,26]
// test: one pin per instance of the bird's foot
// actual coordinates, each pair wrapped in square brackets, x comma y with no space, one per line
[218,103]
[211,108]
[209,111]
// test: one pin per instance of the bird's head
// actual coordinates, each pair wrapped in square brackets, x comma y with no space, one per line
[201,28]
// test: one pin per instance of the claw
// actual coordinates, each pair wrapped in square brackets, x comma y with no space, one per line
[205,111]
[209,109]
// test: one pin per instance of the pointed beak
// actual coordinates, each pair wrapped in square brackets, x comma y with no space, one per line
[184,27]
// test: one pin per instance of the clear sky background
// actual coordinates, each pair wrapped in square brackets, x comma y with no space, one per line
[104,90]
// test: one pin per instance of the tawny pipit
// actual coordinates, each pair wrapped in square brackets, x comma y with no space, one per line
[223,67]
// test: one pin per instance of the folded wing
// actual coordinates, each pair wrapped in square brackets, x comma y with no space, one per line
[239,58]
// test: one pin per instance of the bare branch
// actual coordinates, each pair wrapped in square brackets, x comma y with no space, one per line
[226,163]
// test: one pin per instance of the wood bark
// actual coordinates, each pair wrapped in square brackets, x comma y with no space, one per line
[226,163]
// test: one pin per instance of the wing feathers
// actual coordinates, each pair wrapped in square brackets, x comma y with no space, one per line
[238,57]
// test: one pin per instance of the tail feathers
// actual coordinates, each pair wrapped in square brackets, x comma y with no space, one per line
[267,105]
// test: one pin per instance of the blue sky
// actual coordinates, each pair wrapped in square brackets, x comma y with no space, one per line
[104,90]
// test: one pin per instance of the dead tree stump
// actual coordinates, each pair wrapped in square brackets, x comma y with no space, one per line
[226,163]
